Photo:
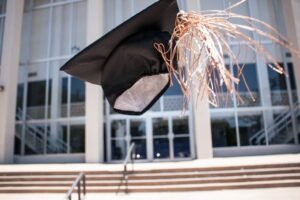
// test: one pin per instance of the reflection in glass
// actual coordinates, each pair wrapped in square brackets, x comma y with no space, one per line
[34,139]
[140,148]
[118,149]
[223,132]
[278,87]
[223,98]
[160,126]
[251,130]
[77,139]
[161,148]
[292,82]
[118,128]
[137,128]
[36,99]
[64,97]
[19,108]
[18,139]
[248,87]
[282,131]
[181,126]
[182,147]
[77,97]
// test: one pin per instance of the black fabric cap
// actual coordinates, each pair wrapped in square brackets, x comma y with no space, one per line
[131,71]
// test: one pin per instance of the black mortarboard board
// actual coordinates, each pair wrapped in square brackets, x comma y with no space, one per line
[131,71]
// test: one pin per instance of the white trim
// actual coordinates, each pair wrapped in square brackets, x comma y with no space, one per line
[53,4]
[255,150]
[50,158]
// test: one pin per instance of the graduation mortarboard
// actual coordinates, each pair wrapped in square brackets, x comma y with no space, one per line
[125,63]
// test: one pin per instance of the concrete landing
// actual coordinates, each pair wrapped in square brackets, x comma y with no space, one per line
[254,194]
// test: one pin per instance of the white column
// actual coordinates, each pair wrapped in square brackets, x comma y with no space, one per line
[9,78]
[292,15]
[202,126]
[94,139]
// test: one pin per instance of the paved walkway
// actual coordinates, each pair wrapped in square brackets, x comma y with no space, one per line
[254,194]
[214,162]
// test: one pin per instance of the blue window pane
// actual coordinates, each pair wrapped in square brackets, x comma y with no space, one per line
[77,90]
[224,132]
[118,149]
[161,148]
[182,147]
[140,149]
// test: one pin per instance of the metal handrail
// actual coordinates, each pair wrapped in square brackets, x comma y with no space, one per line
[77,183]
[129,157]
[278,120]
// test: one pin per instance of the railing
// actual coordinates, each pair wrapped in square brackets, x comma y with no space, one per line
[280,122]
[58,145]
[129,157]
[77,183]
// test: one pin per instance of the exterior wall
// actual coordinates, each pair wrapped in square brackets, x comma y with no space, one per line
[9,76]
[292,16]
[97,24]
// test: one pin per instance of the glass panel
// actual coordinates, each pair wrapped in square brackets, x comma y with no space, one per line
[57,139]
[36,98]
[212,5]
[181,126]
[252,130]
[118,128]
[182,147]
[223,132]
[2,7]
[281,132]
[20,96]
[279,93]
[64,97]
[2,23]
[61,29]
[293,82]
[35,139]
[79,26]
[247,87]
[77,97]
[160,126]
[140,148]
[40,2]
[223,98]
[242,9]
[77,139]
[39,34]
[18,139]
[137,128]
[161,148]
[173,89]
[118,149]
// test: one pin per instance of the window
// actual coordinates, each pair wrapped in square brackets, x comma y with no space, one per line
[53,31]
[2,24]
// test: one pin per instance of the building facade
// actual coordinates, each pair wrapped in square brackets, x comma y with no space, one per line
[48,116]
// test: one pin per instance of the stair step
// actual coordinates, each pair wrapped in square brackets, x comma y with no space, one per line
[161,182]
[185,188]
[171,170]
[139,176]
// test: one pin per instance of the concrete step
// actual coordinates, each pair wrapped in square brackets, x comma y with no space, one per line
[184,188]
[161,182]
[154,171]
[164,179]
[152,176]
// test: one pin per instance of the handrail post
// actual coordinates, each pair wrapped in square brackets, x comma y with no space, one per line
[84,185]
[129,155]
[78,191]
